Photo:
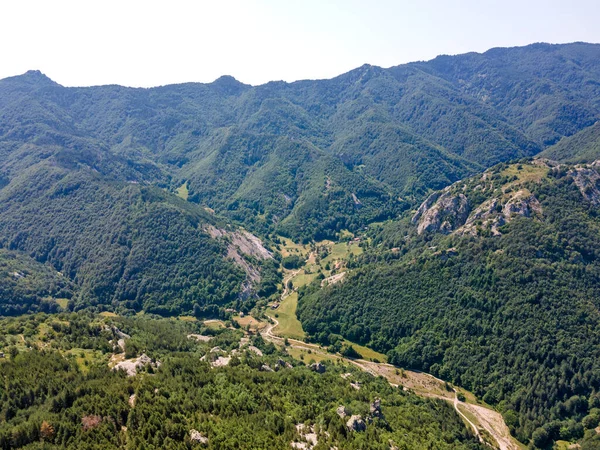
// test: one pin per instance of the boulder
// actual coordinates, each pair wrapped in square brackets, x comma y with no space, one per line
[356,423]
[317,367]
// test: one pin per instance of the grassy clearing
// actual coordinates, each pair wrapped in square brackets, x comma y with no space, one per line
[303,355]
[289,247]
[367,353]
[108,314]
[526,173]
[188,318]
[62,302]
[182,191]
[85,358]
[302,279]
[289,325]
[214,324]
[251,322]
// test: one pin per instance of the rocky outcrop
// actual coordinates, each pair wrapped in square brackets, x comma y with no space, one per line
[442,212]
[342,411]
[197,437]
[375,408]
[492,213]
[317,367]
[132,366]
[450,212]
[241,243]
[587,181]
[356,423]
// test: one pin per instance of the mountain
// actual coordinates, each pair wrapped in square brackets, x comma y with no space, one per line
[310,158]
[492,280]
[582,147]
[548,91]
[480,263]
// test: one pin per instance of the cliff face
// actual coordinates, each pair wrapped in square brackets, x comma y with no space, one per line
[442,213]
[485,203]
[488,201]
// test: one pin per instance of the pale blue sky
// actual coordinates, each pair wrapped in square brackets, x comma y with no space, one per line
[149,43]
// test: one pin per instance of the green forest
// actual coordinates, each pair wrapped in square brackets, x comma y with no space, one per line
[514,318]
[52,397]
[128,216]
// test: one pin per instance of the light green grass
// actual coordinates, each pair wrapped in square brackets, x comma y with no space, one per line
[187,318]
[85,358]
[108,314]
[289,325]
[367,353]
[62,302]
[302,279]
[182,191]
[214,324]
[304,356]
[527,172]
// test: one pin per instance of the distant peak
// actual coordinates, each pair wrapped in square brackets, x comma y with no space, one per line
[226,79]
[33,77]
[229,85]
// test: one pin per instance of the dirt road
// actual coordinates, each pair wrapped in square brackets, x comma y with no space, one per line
[422,384]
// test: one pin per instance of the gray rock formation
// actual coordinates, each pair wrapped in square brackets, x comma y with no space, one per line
[356,423]
[442,213]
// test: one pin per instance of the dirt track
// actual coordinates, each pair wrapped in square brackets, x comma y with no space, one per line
[422,384]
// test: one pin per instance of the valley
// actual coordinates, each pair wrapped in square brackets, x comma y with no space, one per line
[393,258]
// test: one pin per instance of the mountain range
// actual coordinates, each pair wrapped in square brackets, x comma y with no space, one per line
[470,180]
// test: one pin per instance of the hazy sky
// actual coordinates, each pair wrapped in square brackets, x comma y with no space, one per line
[149,43]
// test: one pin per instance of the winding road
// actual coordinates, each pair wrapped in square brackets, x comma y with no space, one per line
[489,420]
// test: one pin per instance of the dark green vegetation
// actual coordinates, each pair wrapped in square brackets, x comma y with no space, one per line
[513,318]
[583,147]
[505,303]
[27,286]
[88,175]
[48,400]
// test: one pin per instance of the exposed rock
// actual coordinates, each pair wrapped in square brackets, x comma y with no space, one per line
[256,350]
[333,279]
[266,368]
[132,400]
[317,367]
[442,213]
[342,411]
[587,180]
[356,385]
[221,361]
[199,337]
[375,407]
[356,423]
[308,435]
[281,364]
[241,242]
[521,204]
[196,436]
[131,366]
[215,350]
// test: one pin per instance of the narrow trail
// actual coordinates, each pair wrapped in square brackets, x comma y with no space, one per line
[489,420]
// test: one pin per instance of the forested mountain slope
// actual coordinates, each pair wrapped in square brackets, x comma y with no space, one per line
[580,148]
[310,158]
[63,393]
[493,285]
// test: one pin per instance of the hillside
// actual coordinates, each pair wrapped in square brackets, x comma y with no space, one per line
[583,147]
[492,280]
[310,158]
[226,390]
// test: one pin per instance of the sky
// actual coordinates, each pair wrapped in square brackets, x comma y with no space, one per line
[151,43]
